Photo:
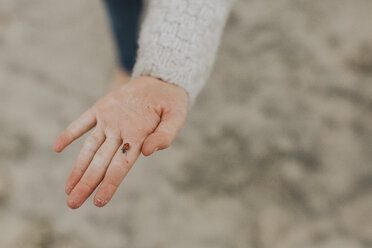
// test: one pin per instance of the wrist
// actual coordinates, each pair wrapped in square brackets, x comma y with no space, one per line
[154,80]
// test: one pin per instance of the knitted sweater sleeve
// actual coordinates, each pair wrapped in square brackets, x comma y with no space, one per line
[179,40]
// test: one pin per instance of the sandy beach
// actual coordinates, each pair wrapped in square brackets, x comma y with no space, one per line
[276,151]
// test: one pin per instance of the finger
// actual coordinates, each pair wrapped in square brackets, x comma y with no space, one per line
[77,128]
[117,170]
[94,174]
[167,130]
[90,147]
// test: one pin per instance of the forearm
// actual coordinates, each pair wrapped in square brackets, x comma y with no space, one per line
[179,40]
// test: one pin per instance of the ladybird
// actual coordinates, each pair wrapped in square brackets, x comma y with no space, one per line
[125,148]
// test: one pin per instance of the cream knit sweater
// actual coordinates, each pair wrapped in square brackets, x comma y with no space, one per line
[179,40]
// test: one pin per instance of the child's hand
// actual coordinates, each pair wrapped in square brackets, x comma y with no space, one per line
[147,113]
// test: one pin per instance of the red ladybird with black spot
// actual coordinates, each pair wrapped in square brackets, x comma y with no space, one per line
[125,148]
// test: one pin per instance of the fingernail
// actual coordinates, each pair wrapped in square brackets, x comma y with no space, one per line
[99,203]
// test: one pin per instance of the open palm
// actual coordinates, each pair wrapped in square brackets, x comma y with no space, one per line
[146,113]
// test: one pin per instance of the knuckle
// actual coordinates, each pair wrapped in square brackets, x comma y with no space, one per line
[86,184]
[120,164]
[114,140]
[124,165]
[116,163]
[97,161]
[70,128]
[67,134]
[113,184]
[95,137]
[78,170]
[89,148]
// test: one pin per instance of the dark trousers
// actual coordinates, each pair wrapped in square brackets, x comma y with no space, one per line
[125,18]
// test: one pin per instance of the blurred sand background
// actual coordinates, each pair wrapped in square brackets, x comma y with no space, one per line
[276,152]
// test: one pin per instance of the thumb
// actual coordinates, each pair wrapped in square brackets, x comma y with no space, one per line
[166,132]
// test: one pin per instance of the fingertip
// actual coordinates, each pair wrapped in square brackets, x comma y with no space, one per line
[149,145]
[147,152]
[57,148]
[98,202]
[71,203]
[68,189]
[60,143]
[104,194]
[149,148]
